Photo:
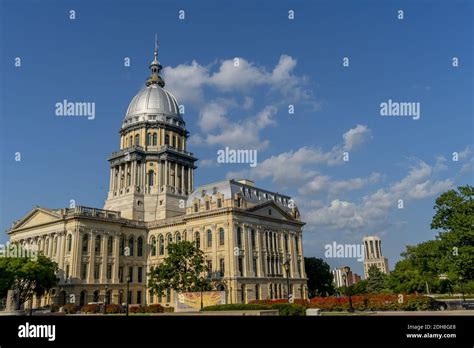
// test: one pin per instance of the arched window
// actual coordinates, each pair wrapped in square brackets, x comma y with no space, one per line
[131,245]
[82,298]
[155,139]
[153,246]
[151,178]
[148,139]
[221,236]
[286,243]
[97,244]
[170,239]
[46,246]
[130,142]
[197,239]
[209,238]
[252,237]
[122,245]
[110,246]
[69,243]
[140,246]
[257,292]
[178,237]
[297,246]
[137,139]
[96,296]
[161,245]
[85,243]
[167,139]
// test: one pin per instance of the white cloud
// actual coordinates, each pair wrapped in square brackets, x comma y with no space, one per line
[212,116]
[324,183]
[293,168]
[372,211]
[355,137]
[187,81]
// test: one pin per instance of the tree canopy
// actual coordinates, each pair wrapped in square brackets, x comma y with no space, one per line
[183,270]
[320,279]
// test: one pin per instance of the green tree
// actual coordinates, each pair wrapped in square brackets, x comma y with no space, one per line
[359,288]
[183,270]
[320,279]
[27,277]
[376,281]
[454,218]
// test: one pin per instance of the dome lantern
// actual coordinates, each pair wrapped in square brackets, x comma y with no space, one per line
[155,68]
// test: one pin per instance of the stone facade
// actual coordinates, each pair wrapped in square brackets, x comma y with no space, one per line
[246,233]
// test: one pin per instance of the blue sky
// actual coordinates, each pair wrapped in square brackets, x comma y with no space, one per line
[281,62]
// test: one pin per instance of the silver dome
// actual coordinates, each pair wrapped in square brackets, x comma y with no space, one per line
[153,103]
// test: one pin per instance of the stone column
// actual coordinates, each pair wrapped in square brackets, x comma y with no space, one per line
[61,250]
[166,173]
[90,275]
[116,263]
[103,249]
[76,253]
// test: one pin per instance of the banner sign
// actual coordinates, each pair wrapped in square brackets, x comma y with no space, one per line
[191,301]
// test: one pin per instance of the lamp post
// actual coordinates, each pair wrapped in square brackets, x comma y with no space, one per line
[462,289]
[128,292]
[105,299]
[287,270]
[346,280]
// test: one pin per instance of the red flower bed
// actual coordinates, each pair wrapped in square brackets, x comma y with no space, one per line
[380,302]
[280,300]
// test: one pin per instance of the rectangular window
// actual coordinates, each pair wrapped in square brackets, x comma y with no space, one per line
[110,246]
[219,203]
[121,274]
[130,296]
[96,270]
[241,266]
[255,266]
[221,266]
[130,274]
[67,271]
[109,271]
[253,238]
[208,206]
[140,274]
[139,297]
[84,271]
[195,207]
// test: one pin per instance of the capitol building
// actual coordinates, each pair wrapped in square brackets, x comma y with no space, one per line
[247,233]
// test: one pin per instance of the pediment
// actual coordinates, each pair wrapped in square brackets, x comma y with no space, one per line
[271,210]
[36,217]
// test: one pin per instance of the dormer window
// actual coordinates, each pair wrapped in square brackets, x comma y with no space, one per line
[208,206]
[219,203]
[269,212]
[196,207]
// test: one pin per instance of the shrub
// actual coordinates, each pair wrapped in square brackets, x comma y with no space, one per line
[284,309]
[154,308]
[54,308]
[298,301]
[168,309]
[289,309]
[373,302]
[236,307]
[136,309]
[113,308]
[90,308]
[70,308]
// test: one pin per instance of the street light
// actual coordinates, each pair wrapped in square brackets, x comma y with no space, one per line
[462,288]
[347,269]
[287,270]
[128,292]
[105,299]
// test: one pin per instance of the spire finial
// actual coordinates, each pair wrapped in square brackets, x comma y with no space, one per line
[157,44]
[155,68]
